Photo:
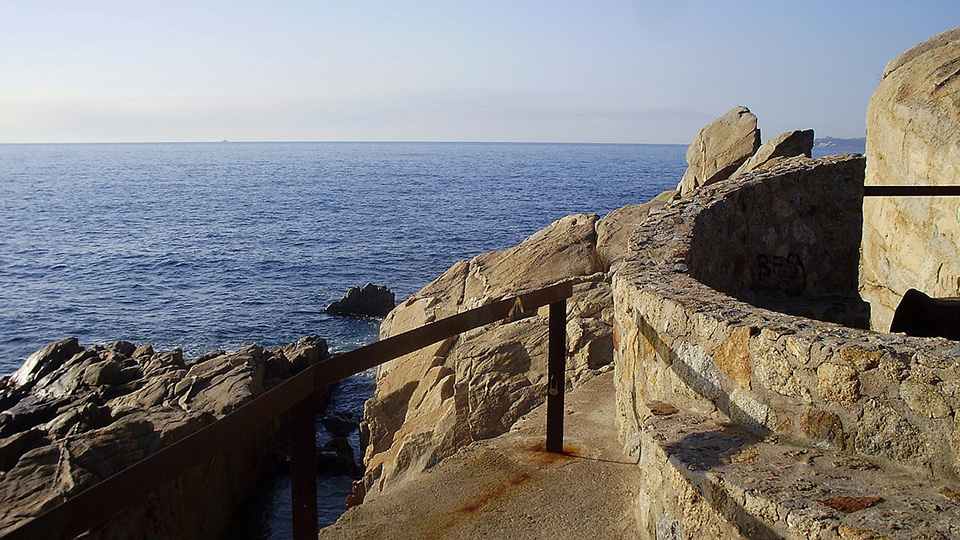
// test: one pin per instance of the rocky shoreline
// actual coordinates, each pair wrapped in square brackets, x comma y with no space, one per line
[72,416]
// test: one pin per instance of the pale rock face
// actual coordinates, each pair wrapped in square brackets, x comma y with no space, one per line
[719,149]
[614,231]
[432,402]
[912,124]
[790,144]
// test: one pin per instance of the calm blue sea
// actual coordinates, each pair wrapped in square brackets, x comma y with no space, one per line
[216,245]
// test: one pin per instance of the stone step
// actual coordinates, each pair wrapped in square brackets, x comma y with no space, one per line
[705,478]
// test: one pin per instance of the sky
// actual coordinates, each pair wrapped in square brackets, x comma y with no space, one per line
[444,70]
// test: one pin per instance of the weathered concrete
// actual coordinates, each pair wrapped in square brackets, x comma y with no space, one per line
[508,487]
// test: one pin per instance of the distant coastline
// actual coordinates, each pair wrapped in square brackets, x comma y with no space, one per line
[835,142]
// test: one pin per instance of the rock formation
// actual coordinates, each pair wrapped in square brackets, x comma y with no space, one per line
[720,148]
[790,144]
[912,124]
[371,300]
[70,417]
[430,403]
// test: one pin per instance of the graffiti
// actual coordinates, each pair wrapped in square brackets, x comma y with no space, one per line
[786,274]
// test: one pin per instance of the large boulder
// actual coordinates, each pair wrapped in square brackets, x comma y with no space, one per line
[787,145]
[432,402]
[719,149]
[913,138]
[44,361]
[80,415]
[614,230]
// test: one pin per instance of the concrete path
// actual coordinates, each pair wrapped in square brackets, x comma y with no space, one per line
[510,488]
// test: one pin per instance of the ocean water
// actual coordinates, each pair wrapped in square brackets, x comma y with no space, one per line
[217,245]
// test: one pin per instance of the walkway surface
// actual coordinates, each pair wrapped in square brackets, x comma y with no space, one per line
[508,487]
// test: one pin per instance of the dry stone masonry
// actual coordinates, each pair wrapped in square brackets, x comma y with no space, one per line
[737,380]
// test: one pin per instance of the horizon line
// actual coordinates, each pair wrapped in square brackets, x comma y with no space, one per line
[244,141]
[333,141]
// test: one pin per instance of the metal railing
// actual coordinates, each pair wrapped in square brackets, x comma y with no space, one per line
[911,191]
[297,395]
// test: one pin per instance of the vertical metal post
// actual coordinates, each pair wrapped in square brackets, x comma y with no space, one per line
[303,468]
[556,376]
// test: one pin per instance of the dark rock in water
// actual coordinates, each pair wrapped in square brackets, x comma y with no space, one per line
[339,423]
[372,300]
[336,458]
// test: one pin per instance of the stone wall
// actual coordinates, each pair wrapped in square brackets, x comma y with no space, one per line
[682,342]
[769,243]
[912,124]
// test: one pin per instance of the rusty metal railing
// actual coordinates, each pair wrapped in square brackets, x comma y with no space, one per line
[100,502]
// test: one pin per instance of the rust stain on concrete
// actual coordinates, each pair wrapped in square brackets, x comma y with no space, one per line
[548,458]
[493,495]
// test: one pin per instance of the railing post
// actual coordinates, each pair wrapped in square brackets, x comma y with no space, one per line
[556,376]
[303,468]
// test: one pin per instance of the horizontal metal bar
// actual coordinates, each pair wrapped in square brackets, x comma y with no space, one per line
[131,485]
[911,191]
[364,358]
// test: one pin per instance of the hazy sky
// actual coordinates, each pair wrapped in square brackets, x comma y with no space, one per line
[512,70]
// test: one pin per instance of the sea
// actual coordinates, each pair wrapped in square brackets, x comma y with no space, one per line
[205,246]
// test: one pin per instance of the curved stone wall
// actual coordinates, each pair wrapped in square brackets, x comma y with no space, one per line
[682,342]
[771,244]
